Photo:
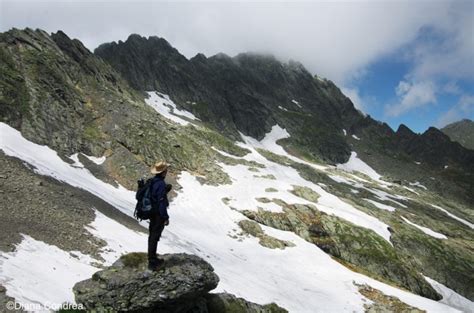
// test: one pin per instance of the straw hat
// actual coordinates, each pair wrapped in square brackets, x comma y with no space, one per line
[159,167]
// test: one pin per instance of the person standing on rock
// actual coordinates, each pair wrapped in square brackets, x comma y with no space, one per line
[159,217]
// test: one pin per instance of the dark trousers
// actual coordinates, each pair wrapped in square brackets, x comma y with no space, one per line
[157,224]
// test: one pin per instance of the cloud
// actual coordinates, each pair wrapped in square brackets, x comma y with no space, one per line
[441,54]
[463,109]
[337,40]
[445,49]
[412,95]
[353,94]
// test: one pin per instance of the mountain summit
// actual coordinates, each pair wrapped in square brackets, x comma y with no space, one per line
[462,132]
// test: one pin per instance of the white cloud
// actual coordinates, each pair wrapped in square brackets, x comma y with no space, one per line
[452,88]
[441,55]
[464,108]
[336,40]
[353,94]
[412,95]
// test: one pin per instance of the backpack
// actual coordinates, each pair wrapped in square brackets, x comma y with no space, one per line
[143,196]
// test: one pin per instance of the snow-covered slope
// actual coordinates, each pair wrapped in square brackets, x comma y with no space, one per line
[166,107]
[301,278]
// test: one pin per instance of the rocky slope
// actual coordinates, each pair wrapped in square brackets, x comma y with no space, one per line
[249,93]
[181,285]
[462,132]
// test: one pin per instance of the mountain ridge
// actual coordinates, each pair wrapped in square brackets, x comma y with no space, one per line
[249,93]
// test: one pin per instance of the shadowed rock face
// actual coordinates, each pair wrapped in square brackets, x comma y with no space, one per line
[181,285]
[248,93]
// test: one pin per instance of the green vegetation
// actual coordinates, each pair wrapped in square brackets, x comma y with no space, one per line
[14,96]
[134,259]
[306,193]
[254,229]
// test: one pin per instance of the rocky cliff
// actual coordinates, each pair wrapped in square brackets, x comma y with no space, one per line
[181,285]
[462,132]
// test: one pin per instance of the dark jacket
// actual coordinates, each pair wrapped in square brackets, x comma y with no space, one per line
[159,199]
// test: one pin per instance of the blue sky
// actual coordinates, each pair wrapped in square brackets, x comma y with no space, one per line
[401,61]
[448,96]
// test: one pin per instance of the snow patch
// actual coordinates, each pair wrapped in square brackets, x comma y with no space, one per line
[418,184]
[355,137]
[75,159]
[345,132]
[426,230]
[384,196]
[411,190]
[166,107]
[356,164]
[43,274]
[297,103]
[269,142]
[381,205]
[47,162]
[454,216]
[96,160]
[120,239]
[451,297]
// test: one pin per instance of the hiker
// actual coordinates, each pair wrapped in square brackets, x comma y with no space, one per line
[159,216]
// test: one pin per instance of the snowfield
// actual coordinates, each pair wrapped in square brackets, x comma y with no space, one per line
[426,230]
[356,164]
[301,278]
[166,107]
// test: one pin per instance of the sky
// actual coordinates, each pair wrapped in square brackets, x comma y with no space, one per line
[406,61]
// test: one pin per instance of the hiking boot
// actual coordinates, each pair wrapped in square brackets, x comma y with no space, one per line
[154,265]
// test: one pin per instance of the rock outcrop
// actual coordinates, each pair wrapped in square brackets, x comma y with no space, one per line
[182,284]
[462,132]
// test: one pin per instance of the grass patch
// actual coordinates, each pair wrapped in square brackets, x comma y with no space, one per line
[134,259]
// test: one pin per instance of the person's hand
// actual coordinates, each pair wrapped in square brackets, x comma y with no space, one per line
[167,222]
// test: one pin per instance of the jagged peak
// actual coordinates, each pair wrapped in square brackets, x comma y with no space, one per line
[221,55]
[404,130]
[199,57]
[36,38]
[151,39]
[434,132]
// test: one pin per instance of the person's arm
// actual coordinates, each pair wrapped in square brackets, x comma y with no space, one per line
[159,194]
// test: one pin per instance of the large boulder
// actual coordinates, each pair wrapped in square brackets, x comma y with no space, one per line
[128,286]
[181,285]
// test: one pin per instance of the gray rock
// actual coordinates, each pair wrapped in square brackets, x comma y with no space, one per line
[128,286]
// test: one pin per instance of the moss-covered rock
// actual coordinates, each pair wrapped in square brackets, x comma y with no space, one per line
[254,229]
[306,193]
[226,303]
[383,303]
